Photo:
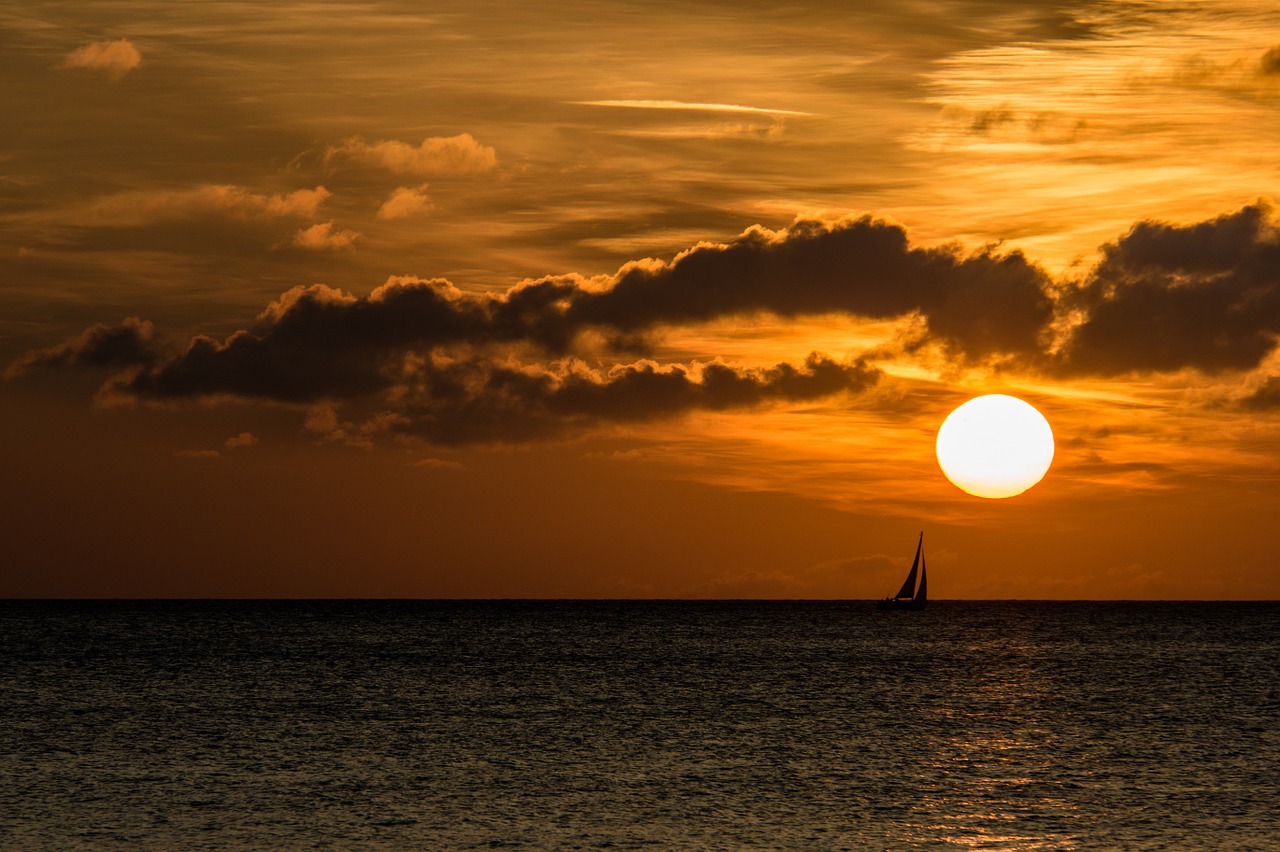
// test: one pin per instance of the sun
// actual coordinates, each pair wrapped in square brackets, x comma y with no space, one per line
[995,446]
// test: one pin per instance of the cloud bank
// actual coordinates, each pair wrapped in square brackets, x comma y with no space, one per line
[1166,297]
[452,366]
[464,402]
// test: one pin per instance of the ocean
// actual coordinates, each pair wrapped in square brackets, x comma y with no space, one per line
[639,725]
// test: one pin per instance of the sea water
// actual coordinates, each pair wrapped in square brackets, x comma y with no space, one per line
[625,725]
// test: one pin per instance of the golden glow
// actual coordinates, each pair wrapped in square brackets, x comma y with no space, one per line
[524,160]
[995,446]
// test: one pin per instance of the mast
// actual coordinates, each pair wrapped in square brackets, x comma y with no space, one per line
[909,585]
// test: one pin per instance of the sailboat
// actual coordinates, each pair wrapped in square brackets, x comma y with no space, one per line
[910,596]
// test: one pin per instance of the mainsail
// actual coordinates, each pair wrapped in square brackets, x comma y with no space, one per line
[909,585]
[909,596]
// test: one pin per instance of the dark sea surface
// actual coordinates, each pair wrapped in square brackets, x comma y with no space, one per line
[720,725]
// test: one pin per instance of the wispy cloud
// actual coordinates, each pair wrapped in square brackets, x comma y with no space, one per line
[1051,141]
[198,454]
[437,464]
[717,130]
[142,207]
[689,106]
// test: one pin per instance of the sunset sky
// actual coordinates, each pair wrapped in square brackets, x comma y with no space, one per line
[635,299]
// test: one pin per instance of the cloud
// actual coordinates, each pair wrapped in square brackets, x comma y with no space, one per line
[324,237]
[979,305]
[317,342]
[478,401]
[437,464]
[1166,297]
[113,58]
[198,454]
[860,575]
[687,106]
[454,366]
[1270,63]
[437,155]
[241,441]
[131,343]
[320,343]
[135,209]
[405,201]
[1264,397]
[732,130]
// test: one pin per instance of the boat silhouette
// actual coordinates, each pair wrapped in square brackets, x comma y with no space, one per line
[910,597]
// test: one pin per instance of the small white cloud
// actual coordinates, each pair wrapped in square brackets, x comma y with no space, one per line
[437,155]
[324,237]
[244,439]
[405,201]
[114,58]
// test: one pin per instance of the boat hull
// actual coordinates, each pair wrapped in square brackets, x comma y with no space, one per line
[892,605]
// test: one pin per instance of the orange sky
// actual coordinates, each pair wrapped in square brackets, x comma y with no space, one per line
[613,300]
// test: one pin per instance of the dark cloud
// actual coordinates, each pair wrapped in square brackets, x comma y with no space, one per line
[1165,297]
[1270,63]
[248,366]
[128,344]
[1265,398]
[318,343]
[979,305]
[479,401]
